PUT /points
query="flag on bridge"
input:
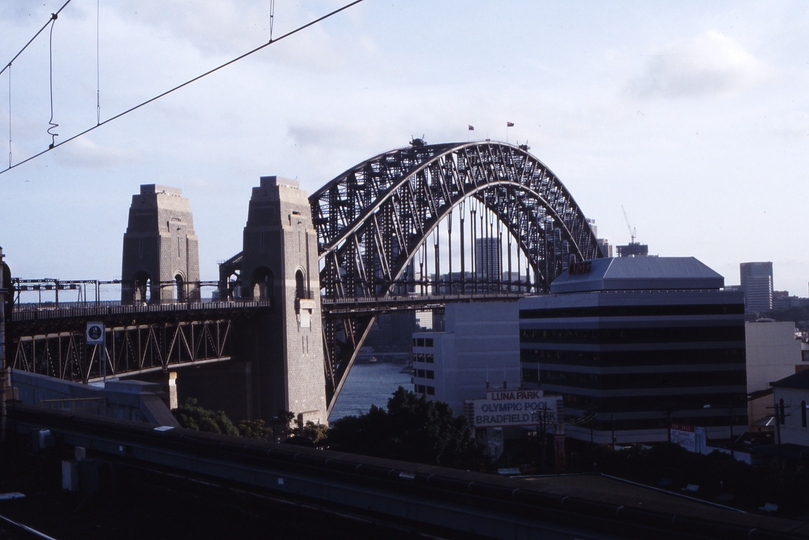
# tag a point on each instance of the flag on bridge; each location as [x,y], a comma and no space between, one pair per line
[471,127]
[509,124]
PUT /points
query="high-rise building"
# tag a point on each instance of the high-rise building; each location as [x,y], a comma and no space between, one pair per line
[488,260]
[756,279]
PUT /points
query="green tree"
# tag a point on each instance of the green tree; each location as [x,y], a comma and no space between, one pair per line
[311,435]
[412,429]
[193,416]
[255,429]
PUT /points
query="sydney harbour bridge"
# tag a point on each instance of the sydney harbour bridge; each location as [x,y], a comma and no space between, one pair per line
[412,228]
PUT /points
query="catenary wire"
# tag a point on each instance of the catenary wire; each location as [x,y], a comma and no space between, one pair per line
[52,125]
[44,26]
[186,83]
[98,62]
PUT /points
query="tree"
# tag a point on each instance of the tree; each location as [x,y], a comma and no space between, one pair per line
[412,429]
[311,435]
[255,429]
[193,416]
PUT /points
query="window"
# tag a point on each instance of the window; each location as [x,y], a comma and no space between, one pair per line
[430,390]
[420,342]
[428,358]
[428,342]
[420,373]
[781,415]
[431,375]
[420,388]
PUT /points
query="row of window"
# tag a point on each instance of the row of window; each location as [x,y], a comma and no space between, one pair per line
[781,413]
[429,390]
[425,374]
[633,311]
[671,404]
[663,423]
[671,379]
[423,342]
[424,358]
[635,335]
[634,358]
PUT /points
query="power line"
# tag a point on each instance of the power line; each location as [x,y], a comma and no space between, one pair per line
[186,83]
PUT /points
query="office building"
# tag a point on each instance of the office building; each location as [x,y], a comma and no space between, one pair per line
[756,280]
[488,260]
[635,344]
[479,343]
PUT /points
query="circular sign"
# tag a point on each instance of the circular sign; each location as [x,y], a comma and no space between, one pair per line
[95,333]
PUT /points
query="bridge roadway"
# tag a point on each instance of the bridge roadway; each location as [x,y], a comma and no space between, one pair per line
[397,495]
[49,337]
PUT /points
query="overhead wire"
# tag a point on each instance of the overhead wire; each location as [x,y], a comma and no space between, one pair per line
[44,26]
[9,116]
[182,85]
[98,62]
[51,123]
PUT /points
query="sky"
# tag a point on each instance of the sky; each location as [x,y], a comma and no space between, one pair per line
[692,117]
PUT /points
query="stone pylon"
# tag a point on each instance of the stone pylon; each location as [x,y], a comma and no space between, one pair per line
[161,251]
[280,264]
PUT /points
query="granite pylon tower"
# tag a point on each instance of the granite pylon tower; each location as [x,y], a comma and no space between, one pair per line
[161,251]
[280,264]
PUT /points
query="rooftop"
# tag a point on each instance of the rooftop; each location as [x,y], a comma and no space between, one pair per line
[637,273]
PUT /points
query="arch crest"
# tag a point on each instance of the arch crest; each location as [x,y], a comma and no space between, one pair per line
[372,218]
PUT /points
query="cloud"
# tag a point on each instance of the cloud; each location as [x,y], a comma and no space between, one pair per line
[83,152]
[708,64]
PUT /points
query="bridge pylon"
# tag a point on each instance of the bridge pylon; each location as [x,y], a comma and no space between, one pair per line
[279,263]
[161,250]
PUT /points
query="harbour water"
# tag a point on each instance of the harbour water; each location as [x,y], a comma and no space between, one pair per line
[369,384]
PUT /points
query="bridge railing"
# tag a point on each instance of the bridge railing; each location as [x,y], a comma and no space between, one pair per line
[36,311]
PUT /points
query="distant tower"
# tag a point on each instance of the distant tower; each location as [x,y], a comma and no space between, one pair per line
[160,247]
[280,264]
[488,260]
[756,280]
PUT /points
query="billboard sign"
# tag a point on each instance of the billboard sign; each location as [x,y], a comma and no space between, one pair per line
[506,408]
[692,438]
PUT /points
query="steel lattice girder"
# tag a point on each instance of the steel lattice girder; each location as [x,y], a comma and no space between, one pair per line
[130,349]
[373,218]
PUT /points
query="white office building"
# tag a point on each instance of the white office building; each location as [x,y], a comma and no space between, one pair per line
[480,343]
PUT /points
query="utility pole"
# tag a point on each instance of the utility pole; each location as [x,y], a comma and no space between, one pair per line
[4,275]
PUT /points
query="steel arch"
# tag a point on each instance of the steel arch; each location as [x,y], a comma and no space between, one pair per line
[373,218]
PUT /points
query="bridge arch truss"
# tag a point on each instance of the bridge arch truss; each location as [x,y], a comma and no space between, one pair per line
[373,219]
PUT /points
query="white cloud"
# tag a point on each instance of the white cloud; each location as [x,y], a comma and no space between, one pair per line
[711,63]
[84,152]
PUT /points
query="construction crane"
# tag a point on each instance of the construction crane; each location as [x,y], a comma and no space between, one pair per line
[632,230]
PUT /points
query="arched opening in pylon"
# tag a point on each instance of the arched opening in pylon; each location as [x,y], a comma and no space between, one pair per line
[262,284]
[142,287]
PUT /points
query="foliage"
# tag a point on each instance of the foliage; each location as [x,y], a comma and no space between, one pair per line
[255,429]
[412,429]
[311,435]
[193,416]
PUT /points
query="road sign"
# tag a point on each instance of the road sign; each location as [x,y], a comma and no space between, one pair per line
[95,333]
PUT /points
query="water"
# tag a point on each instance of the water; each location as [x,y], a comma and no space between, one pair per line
[369,384]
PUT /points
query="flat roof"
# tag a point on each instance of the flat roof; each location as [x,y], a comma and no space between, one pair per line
[637,273]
